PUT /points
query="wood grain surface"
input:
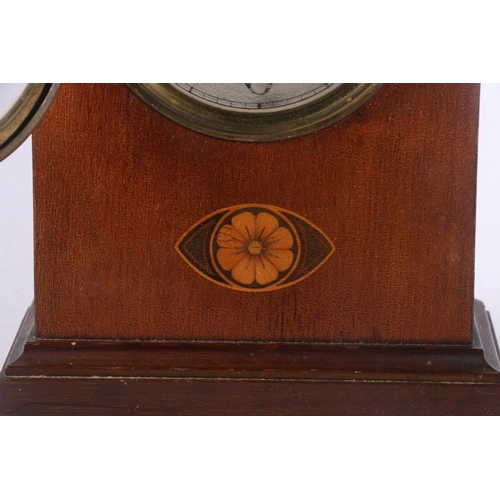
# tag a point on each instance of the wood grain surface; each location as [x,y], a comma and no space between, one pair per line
[81,396]
[88,377]
[392,186]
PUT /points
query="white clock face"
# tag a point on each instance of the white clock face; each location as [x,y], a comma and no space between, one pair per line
[257,97]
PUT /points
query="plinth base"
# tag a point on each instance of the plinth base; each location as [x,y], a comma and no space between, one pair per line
[63,377]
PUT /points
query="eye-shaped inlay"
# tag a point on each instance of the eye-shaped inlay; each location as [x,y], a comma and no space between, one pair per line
[254,248]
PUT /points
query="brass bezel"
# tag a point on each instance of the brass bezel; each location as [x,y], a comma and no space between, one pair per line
[18,123]
[247,126]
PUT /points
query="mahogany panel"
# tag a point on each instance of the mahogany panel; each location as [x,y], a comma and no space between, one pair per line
[80,396]
[392,186]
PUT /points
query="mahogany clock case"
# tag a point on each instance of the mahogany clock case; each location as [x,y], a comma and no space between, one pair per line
[392,186]
[127,321]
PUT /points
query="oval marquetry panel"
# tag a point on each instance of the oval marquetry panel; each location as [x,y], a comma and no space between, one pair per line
[254,248]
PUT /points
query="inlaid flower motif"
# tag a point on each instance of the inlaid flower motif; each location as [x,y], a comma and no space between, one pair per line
[254,248]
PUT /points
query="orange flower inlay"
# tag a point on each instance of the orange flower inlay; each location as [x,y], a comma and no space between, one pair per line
[254,248]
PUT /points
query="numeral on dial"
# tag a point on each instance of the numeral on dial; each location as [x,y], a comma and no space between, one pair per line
[259,88]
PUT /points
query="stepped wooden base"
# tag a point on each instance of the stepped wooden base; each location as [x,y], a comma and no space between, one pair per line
[55,377]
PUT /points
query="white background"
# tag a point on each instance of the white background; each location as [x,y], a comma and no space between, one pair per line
[16,246]
[223,40]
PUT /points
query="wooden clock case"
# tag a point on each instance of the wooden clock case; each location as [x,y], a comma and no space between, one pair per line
[122,325]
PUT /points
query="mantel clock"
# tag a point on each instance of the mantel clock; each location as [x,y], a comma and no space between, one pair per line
[254,248]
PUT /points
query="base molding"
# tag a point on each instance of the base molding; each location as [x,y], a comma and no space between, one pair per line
[64,377]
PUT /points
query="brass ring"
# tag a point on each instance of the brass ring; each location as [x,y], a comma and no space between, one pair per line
[238,125]
[20,120]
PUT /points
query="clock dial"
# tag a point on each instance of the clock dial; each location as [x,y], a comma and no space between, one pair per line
[255,112]
[257,97]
